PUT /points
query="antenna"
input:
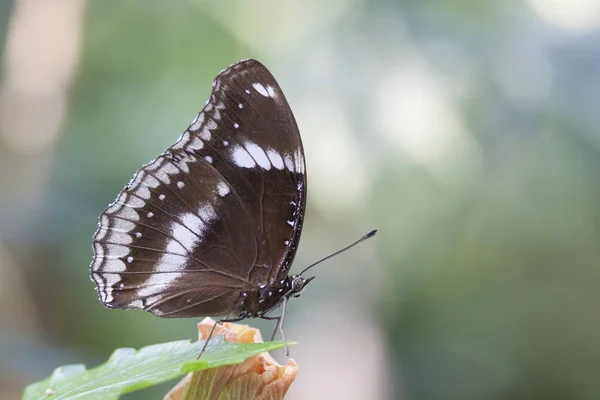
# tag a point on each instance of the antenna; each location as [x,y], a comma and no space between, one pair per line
[367,236]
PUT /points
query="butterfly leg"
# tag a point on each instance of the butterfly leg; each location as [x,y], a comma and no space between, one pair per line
[279,325]
[213,329]
[269,318]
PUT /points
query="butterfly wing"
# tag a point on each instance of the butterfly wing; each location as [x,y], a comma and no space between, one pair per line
[264,157]
[216,214]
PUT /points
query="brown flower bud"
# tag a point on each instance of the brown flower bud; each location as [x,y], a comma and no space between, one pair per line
[259,377]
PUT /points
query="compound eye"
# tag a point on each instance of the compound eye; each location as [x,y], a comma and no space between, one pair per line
[297,284]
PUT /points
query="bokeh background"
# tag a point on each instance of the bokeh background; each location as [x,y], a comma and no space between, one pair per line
[466,131]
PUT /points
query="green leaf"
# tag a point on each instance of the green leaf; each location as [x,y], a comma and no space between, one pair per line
[128,370]
[231,355]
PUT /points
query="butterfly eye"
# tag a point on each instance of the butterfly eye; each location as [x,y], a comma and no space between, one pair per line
[297,284]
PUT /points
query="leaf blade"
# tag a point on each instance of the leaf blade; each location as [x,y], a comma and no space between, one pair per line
[128,370]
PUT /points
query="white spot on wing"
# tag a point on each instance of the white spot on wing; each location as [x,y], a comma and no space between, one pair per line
[124,211]
[161,197]
[271,91]
[106,283]
[180,184]
[196,144]
[164,171]
[275,158]
[117,232]
[182,141]
[142,191]
[298,161]
[189,237]
[136,304]
[209,159]
[197,122]
[236,125]
[222,189]
[241,158]
[207,213]
[184,237]
[240,106]
[134,202]
[259,155]
[205,133]
[289,164]
[260,89]
[102,228]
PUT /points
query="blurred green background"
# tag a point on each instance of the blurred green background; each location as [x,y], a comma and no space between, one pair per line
[465,131]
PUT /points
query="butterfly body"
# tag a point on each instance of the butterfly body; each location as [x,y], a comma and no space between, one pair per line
[260,302]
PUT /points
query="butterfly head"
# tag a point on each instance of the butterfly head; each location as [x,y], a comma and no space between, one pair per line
[298,283]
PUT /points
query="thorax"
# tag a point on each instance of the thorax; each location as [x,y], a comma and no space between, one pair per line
[261,300]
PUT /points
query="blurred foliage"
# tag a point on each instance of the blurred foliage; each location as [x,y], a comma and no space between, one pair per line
[497,297]
[486,271]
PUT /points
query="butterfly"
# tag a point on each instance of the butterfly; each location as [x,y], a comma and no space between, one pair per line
[212,225]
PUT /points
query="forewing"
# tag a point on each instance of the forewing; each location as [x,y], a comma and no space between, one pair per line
[260,151]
